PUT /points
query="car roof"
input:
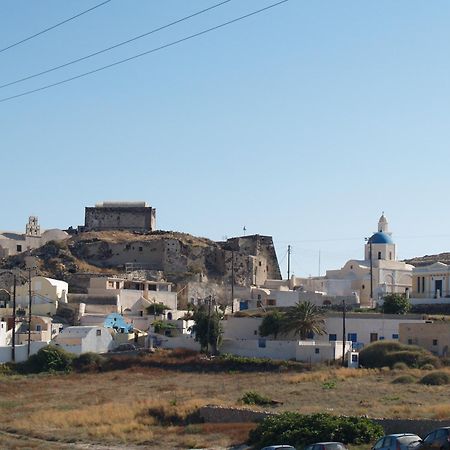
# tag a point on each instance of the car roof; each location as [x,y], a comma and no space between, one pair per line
[324,443]
[401,434]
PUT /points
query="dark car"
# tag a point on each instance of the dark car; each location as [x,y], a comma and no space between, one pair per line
[399,441]
[326,446]
[438,439]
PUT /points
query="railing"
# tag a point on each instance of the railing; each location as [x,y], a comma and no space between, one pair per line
[430,294]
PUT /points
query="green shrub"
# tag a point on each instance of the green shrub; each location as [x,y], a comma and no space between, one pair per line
[88,362]
[404,379]
[47,359]
[396,304]
[298,430]
[427,367]
[436,378]
[388,353]
[400,366]
[253,398]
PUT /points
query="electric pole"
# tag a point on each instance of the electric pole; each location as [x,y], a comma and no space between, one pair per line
[29,312]
[289,262]
[13,344]
[232,281]
[343,333]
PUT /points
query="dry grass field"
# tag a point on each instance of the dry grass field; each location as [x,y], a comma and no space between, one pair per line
[111,409]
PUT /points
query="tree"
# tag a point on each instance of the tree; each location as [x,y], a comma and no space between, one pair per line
[272,324]
[396,304]
[303,319]
[207,327]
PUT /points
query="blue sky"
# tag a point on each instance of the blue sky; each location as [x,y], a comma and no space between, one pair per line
[304,122]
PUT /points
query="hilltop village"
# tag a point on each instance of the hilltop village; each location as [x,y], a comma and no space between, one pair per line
[117,283]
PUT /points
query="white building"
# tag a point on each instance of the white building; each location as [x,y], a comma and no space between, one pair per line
[378,274]
[431,284]
[361,329]
[13,243]
[85,339]
[130,291]
[46,294]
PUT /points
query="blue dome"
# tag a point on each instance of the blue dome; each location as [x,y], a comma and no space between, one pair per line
[381,238]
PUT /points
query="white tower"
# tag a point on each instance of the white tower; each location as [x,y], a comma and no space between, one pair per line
[383,224]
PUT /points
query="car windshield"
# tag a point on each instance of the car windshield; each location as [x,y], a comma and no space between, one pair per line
[334,446]
[406,440]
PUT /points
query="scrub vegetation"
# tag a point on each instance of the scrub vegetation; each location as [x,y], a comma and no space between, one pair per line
[154,401]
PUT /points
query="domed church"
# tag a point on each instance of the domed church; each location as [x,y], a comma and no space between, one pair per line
[378,274]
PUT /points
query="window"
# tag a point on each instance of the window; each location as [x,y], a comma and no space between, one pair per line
[352,337]
[140,249]
[373,337]
[19,248]
[259,296]
[99,332]
[435,342]
[271,302]
[255,332]
[379,444]
[332,337]
[317,351]
[390,255]
[363,287]
[38,328]
[430,438]
[261,343]
[354,358]
[379,255]
[395,336]
[410,341]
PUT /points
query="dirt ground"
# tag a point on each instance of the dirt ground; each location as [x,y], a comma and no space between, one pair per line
[111,410]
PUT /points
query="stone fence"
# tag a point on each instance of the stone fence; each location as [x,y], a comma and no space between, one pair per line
[219,414]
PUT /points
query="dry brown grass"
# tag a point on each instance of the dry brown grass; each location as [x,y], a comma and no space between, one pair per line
[114,406]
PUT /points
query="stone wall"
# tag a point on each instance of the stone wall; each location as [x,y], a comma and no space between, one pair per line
[120,218]
[218,414]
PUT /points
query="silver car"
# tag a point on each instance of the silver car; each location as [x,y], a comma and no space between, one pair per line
[399,441]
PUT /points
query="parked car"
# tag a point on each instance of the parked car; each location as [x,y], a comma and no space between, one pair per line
[276,447]
[438,439]
[326,446]
[399,441]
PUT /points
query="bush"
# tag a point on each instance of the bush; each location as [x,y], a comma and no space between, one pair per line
[396,304]
[400,366]
[436,379]
[388,353]
[299,430]
[253,398]
[427,367]
[47,359]
[404,379]
[88,362]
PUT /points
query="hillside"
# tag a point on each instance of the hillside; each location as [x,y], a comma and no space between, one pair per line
[180,256]
[429,259]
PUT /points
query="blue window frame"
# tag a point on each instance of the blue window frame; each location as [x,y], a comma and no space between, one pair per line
[332,337]
[395,336]
[352,337]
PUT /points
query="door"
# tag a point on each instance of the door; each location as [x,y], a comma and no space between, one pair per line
[438,287]
[373,337]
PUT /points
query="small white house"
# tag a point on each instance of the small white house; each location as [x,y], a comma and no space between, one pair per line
[85,339]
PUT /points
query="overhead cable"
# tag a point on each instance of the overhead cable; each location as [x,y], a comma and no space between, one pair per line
[114,46]
[170,44]
[54,26]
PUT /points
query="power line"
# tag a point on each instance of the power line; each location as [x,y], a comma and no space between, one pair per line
[67,80]
[54,26]
[52,69]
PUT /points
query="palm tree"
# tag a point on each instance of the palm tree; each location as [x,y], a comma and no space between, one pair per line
[303,319]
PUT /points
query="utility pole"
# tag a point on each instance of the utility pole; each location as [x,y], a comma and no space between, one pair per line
[232,281]
[29,312]
[371,273]
[344,340]
[208,325]
[13,344]
[289,262]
